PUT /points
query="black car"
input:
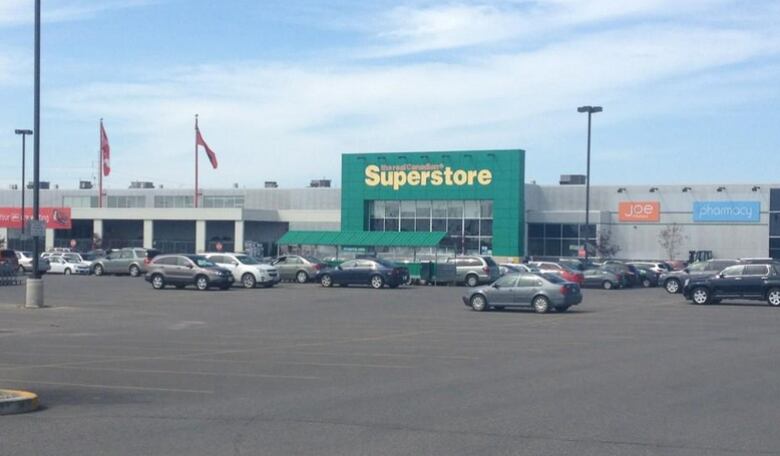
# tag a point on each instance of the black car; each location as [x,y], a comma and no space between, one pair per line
[374,272]
[647,276]
[742,281]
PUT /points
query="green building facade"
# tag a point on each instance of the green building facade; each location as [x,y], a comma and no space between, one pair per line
[476,197]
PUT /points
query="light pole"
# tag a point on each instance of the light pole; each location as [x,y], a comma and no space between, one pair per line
[590,110]
[24,134]
[34,298]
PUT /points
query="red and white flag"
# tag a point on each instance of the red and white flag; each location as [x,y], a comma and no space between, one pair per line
[200,142]
[105,150]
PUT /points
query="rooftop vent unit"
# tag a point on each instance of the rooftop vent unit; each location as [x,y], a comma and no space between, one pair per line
[572,179]
[320,183]
[42,185]
[271,184]
[85,185]
[141,184]
[13,187]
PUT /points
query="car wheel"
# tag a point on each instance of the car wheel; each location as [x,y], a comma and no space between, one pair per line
[202,283]
[607,285]
[377,282]
[562,309]
[248,280]
[478,303]
[134,271]
[98,270]
[326,281]
[302,277]
[700,295]
[672,286]
[646,283]
[541,304]
[158,282]
[67,271]
[773,297]
[472,280]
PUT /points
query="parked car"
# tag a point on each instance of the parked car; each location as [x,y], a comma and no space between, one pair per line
[647,277]
[246,269]
[655,266]
[673,281]
[565,272]
[741,281]
[601,278]
[474,270]
[183,270]
[543,292]
[298,268]
[8,259]
[630,274]
[374,272]
[131,260]
[61,264]
[514,268]
[25,259]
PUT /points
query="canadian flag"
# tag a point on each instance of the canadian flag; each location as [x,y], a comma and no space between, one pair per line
[105,151]
[200,142]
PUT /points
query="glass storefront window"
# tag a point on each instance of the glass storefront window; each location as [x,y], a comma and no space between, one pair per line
[378,209]
[555,239]
[392,209]
[486,209]
[455,210]
[471,209]
[486,227]
[424,209]
[440,209]
[471,227]
[408,209]
[407,224]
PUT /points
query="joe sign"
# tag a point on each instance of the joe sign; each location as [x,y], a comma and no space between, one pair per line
[639,211]
[727,211]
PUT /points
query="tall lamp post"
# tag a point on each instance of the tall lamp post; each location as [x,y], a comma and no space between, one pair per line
[590,110]
[24,134]
[34,298]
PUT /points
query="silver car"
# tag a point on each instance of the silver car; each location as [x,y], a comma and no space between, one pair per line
[298,268]
[474,270]
[132,260]
[543,292]
[673,281]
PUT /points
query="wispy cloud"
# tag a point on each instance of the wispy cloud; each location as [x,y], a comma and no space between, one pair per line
[15,12]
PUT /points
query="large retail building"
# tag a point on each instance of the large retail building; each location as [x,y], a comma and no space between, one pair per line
[477,197]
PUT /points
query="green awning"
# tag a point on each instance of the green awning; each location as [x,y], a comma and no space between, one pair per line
[363,238]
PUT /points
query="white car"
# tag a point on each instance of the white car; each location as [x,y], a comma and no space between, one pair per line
[246,270]
[62,265]
[26,262]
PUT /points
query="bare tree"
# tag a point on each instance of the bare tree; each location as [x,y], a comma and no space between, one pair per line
[605,248]
[671,238]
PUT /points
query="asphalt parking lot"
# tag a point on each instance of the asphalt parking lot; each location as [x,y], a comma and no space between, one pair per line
[298,369]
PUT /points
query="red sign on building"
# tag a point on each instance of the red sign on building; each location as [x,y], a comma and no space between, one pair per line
[57,218]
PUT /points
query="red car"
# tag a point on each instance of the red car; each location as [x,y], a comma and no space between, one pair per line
[565,272]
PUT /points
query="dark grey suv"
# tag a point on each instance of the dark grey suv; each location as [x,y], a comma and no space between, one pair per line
[183,270]
[673,281]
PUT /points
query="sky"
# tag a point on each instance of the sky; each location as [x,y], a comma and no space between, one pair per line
[690,89]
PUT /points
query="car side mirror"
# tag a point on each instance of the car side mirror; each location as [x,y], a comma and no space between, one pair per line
[496,286]
[686,270]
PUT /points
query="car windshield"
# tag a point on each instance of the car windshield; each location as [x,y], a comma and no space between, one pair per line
[701,266]
[245,259]
[202,261]
[385,263]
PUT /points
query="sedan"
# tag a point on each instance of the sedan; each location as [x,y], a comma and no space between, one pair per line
[601,278]
[374,272]
[62,265]
[543,292]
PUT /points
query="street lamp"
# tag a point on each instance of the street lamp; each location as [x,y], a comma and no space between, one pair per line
[24,134]
[590,110]
[34,298]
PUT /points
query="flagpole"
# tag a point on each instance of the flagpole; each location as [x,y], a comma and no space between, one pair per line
[100,165]
[196,160]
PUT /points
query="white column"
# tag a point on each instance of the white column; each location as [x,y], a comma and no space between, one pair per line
[200,236]
[4,236]
[148,234]
[49,244]
[238,236]
[97,228]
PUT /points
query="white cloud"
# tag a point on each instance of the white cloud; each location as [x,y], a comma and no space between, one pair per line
[292,121]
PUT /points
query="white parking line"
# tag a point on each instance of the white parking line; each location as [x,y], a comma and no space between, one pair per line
[99,386]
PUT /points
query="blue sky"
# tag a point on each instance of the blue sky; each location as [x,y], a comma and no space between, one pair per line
[690,89]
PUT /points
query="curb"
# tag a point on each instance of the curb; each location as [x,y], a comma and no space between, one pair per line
[16,401]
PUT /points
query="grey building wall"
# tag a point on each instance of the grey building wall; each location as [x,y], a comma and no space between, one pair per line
[565,204]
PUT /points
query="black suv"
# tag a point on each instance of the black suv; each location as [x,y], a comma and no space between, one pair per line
[742,281]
